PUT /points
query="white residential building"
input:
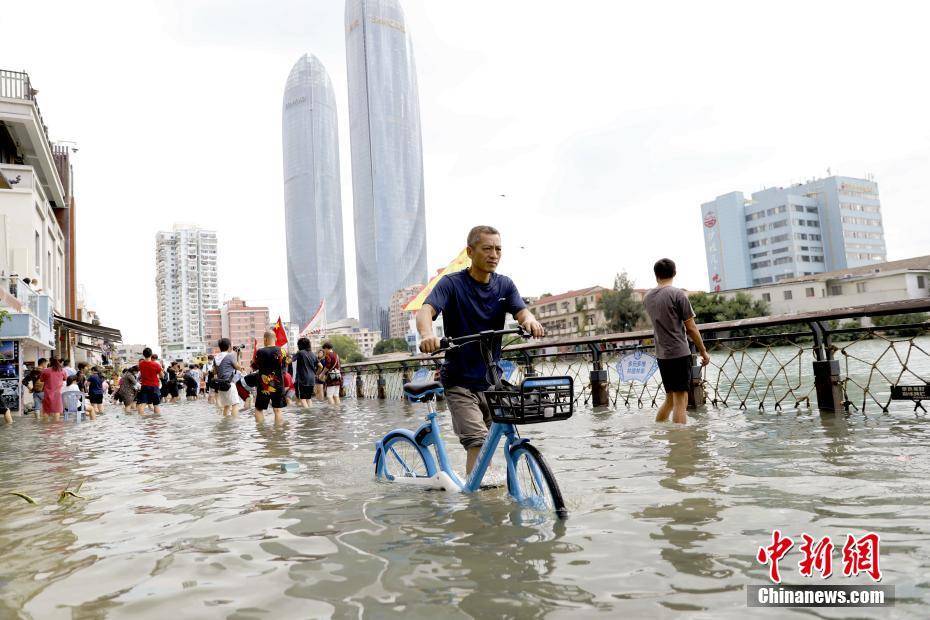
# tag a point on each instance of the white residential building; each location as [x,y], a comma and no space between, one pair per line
[186,282]
[789,232]
[34,206]
[870,284]
[365,338]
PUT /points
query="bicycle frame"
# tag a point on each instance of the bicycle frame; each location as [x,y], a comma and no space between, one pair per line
[429,434]
[442,475]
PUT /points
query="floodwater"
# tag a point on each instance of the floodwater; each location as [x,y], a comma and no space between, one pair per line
[189,515]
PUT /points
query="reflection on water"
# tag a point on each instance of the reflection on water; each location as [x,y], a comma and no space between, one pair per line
[189,514]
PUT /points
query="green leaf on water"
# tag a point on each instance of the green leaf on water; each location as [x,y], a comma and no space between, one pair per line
[22,496]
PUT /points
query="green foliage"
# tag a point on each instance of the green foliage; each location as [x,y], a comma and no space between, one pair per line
[621,310]
[391,345]
[4,315]
[900,319]
[713,307]
[345,347]
[355,357]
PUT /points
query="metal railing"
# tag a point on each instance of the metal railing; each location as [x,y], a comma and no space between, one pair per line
[770,363]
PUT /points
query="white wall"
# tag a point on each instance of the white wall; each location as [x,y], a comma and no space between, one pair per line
[27,213]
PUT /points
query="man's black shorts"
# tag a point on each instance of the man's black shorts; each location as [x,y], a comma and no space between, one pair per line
[276,399]
[148,395]
[304,392]
[676,373]
[96,399]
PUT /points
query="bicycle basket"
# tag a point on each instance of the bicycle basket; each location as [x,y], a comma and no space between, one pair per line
[538,399]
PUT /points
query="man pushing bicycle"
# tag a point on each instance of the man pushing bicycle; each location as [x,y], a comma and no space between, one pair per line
[471,301]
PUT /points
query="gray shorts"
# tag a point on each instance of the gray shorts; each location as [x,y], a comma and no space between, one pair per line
[471,417]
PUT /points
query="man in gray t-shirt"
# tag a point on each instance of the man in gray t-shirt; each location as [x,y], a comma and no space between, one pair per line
[673,322]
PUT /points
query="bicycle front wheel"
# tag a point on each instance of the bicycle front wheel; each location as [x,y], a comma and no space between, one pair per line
[400,458]
[532,483]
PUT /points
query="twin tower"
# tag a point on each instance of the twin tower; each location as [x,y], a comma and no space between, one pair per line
[387,171]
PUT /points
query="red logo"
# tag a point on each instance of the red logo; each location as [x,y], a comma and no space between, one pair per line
[710,220]
[860,555]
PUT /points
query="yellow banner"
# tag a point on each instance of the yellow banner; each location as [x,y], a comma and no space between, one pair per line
[459,263]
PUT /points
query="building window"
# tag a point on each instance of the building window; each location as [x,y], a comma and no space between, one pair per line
[836,290]
[860,287]
[787,295]
[766,297]
[38,253]
[920,282]
[809,291]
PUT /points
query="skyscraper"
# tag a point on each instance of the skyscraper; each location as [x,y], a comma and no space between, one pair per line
[312,195]
[787,232]
[186,285]
[387,158]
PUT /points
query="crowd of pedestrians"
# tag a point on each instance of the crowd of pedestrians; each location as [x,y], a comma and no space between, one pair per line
[51,382]
[270,379]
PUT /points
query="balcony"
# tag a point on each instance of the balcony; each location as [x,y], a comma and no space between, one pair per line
[19,112]
[30,313]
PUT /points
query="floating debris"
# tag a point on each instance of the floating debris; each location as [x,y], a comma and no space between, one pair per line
[22,496]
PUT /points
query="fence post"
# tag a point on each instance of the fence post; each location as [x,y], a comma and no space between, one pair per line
[528,370]
[696,396]
[381,385]
[404,373]
[598,378]
[359,385]
[827,380]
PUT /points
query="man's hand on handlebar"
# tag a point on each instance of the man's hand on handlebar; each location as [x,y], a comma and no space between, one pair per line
[533,328]
[430,344]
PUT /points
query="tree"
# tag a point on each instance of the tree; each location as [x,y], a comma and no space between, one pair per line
[621,310]
[900,319]
[346,348]
[391,345]
[713,307]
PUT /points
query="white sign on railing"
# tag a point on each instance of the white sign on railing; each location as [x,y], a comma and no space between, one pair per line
[637,366]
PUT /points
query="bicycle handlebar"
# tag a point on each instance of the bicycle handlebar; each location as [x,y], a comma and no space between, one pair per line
[447,344]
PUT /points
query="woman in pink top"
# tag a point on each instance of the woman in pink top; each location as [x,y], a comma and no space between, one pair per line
[54,378]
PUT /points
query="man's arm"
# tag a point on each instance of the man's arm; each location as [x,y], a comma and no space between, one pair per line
[429,343]
[695,335]
[529,323]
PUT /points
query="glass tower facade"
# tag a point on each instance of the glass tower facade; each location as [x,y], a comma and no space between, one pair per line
[387,158]
[312,195]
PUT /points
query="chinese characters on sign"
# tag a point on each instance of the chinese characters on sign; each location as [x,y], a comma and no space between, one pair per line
[859,556]
[637,366]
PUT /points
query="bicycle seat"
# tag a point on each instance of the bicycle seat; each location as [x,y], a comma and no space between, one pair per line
[422,392]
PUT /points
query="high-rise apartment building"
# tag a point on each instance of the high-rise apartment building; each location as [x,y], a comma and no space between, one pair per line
[312,194]
[787,232]
[187,287]
[399,320]
[387,158]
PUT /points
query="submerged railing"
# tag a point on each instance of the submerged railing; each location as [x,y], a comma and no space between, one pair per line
[769,363]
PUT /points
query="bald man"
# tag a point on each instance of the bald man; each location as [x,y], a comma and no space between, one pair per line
[268,361]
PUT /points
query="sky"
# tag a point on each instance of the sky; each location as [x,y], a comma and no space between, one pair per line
[588,132]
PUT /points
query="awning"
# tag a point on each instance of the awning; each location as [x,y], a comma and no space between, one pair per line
[88,347]
[89,329]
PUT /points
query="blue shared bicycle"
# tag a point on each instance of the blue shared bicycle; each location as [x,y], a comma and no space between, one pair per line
[419,457]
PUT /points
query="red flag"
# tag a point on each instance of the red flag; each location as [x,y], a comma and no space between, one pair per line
[279,334]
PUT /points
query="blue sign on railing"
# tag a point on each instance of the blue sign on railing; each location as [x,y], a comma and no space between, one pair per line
[508,367]
[422,376]
[637,366]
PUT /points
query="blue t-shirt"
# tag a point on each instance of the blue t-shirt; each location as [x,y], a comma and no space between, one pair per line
[95,385]
[468,307]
